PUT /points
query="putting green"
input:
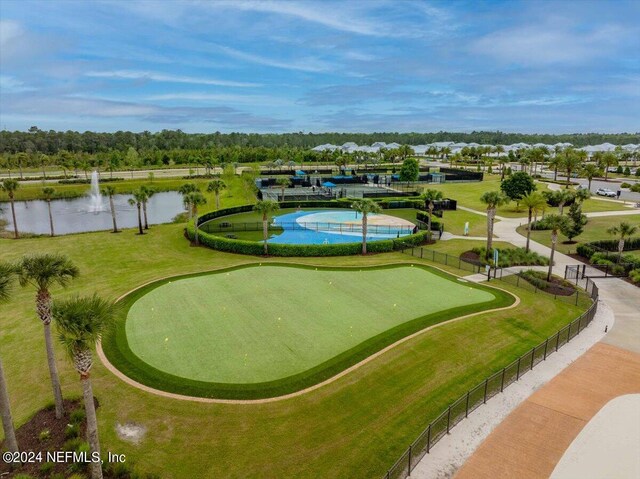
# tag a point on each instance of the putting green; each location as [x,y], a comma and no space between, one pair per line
[274,324]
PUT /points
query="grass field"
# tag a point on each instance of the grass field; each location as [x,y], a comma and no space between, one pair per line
[214,328]
[354,427]
[595,229]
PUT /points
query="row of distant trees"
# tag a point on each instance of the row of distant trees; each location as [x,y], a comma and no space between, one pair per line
[51,142]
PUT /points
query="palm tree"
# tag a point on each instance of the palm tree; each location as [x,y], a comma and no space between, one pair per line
[42,271]
[48,193]
[429,197]
[138,197]
[10,186]
[555,163]
[184,190]
[534,202]
[80,323]
[563,197]
[590,171]
[6,277]
[555,224]
[147,193]
[493,199]
[572,161]
[266,207]
[282,183]
[216,186]
[365,206]
[503,160]
[606,160]
[194,199]
[110,191]
[623,230]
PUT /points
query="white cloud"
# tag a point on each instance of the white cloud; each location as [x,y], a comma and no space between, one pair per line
[312,65]
[162,77]
[549,43]
[9,84]
[9,30]
[222,98]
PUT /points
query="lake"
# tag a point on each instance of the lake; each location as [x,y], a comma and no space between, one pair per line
[74,216]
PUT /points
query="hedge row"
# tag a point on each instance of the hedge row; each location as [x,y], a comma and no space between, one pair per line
[343,249]
[610,245]
[83,181]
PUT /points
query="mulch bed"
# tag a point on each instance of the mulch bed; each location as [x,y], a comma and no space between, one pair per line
[559,287]
[470,257]
[28,437]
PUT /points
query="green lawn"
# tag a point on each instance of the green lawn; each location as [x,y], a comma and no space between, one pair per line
[595,229]
[355,427]
[214,328]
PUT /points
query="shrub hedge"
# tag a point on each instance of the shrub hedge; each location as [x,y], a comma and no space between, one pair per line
[231,245]
[513,257]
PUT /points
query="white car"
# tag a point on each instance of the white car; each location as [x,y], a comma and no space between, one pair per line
[605,192]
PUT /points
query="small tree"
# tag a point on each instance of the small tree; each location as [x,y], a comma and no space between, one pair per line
[575,226]
[138,198]
[110,191]
[80,323]
[184,190]
[410,170]
[365,206]
[195,199]
[10,186]
[590,171]
[146,193]
[48,193]
[518,185]
[624,230]
[266,208]
[216,186]
[493,199]
[534,202]
[555,224]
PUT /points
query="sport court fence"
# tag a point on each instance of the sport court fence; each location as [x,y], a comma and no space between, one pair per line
[314,226]
[490,387]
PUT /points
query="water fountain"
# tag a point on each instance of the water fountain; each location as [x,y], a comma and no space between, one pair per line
[95,205]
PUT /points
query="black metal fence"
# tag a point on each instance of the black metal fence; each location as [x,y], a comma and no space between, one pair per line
[480,394]
[507,275]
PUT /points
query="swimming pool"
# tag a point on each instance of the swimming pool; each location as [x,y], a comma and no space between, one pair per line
[336,226]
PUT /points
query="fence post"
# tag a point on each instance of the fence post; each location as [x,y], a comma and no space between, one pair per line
[409,459]
[557,340]
[429,438]
[466,411]
[502,381]
[486,386]
[546,343]
[577,296]
[533,355]
[449,420]
[518,374]
[517,280]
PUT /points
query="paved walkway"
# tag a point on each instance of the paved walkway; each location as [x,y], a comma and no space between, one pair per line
[530,442]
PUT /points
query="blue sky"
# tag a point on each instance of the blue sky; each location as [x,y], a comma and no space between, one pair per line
[365,66]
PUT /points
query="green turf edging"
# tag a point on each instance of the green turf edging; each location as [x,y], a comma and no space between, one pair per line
[116,348]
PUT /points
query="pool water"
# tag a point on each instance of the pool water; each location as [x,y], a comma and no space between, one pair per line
[336,226]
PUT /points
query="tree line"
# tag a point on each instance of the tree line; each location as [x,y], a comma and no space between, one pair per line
[51,142]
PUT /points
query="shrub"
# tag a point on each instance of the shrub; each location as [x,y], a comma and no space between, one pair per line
[82,181]
[625,185]
[539,280]
[513,257]
[541,224]
[71,431]
[634,276]
[585,250]
[44,435]
[636,188]
[342,249]
[619,169]
[47,468]
[638,172]
[627,171]
[77,416]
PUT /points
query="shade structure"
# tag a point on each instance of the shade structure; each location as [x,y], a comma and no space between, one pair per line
[328,184]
